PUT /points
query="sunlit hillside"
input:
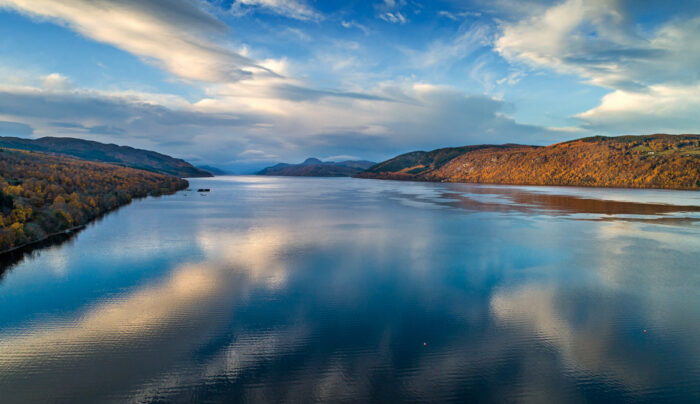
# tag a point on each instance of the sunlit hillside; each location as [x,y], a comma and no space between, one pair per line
[657,161]
[42,194]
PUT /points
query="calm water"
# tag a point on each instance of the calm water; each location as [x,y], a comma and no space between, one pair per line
[296,289]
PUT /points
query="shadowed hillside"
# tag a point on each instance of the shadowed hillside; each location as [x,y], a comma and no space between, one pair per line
[313,167]
[107,153]
[43,194]
[655,161]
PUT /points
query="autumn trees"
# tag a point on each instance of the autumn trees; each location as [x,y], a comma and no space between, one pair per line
[656,161]
[41,194]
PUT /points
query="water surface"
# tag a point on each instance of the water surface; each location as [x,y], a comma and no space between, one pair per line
[302,289]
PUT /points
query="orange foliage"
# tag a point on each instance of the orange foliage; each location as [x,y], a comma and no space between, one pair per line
[658,161]
[41,194]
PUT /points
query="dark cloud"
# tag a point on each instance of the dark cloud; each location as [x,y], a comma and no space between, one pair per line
[15,129]
[61,106]
[53,106]
[174,143]
[371,147]
[69,125]
[106,130]
[98,129]
[597,54]
[436,117]
[451,118]
[298,93]
[196,136]
[186,13]
[296,9]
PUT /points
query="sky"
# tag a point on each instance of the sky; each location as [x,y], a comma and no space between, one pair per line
[242,84]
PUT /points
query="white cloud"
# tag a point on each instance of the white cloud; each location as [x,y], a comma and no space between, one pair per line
[55,82]
[395,17]
[288,8]
[342,157]
[246,114]
[257,155]
[457,16]
[461,46]
[175,35]
[661,109]
[303,36]
[355,24]
[512,78]
[567,129]
[273,117]
[654,74]
[390,11]
[320,124]
[136,119]
[597,40]
[547,39]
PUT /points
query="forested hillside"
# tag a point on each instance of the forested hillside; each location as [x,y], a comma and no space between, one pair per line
[107,153]
[42,194]
[655,161]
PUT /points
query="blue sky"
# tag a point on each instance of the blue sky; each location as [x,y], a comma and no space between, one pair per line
[241,84]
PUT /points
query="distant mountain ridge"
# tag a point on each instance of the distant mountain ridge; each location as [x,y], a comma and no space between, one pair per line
[651,161]
[313,167]
[212,170]
[107,153]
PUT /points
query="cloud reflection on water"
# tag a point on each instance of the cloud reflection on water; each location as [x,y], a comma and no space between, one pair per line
[325,296]
[137,335]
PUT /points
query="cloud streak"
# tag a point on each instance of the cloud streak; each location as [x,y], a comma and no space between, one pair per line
[176,35]
[289,8]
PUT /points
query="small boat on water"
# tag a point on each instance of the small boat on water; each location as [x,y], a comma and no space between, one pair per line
[204,190]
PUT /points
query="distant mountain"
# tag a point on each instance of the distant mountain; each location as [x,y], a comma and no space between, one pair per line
[654,161]
[212,170]
[311,161]
[107,153]
[313,167]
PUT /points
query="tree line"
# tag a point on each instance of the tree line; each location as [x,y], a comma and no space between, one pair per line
[42,194]
[656,161]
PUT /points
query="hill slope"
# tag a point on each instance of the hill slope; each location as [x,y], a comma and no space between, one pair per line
[41,194]
[655,161]
[107,153]
[313,167]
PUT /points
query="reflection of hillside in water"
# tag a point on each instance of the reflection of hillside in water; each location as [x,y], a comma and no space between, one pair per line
[516,199]
[12,258]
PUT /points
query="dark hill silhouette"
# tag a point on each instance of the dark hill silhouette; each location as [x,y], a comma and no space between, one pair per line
[107,153]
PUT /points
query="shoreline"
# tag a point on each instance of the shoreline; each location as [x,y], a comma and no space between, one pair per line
[65,232]
[467,182]
[16,253]
[447,181]
[10,258]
